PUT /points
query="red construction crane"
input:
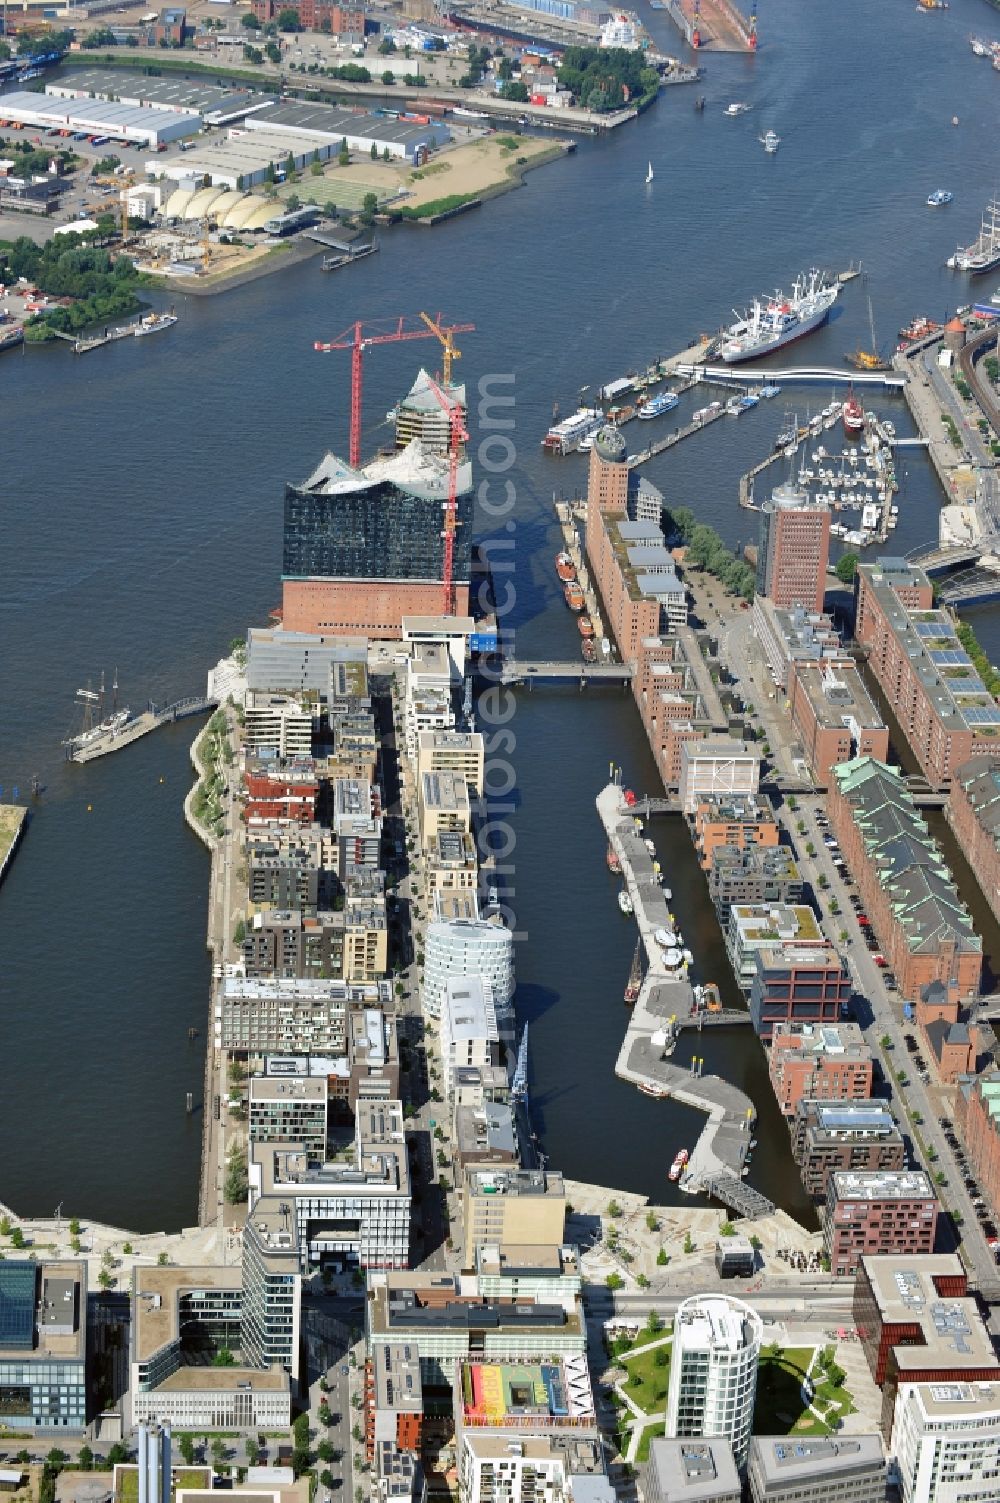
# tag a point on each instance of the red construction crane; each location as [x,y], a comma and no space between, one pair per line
[459,436]
[360,336]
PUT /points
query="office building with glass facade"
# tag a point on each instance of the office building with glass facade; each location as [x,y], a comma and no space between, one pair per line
[346,530]
[43,1345]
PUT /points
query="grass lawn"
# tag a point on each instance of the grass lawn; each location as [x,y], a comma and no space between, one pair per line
[649,1434]
[647,1383]
[184,1476]
[780,1405]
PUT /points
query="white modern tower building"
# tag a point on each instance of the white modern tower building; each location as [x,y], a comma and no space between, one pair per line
[470,947]
[713,1370]
[946,1442]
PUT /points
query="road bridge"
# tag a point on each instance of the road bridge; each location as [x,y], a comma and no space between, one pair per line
[519,671]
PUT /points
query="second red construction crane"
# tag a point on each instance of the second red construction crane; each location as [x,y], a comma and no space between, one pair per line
[360,336]
[459,436]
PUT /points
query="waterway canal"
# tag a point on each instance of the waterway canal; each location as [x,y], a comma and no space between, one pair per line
[141,526]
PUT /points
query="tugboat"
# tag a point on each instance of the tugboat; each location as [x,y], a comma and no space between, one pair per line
[565,567]
[678,1165]
[625,903]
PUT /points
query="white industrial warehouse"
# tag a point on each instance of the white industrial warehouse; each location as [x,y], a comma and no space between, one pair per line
[243,161]
[180,96]
[120,122]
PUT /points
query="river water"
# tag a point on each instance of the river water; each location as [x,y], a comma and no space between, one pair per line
[142,526]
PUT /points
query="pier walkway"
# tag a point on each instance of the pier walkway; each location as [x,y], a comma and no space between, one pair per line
[717,1161]
[149,720]
[810,374]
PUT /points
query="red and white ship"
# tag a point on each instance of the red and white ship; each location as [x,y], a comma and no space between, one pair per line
[853,414]
[678,1166]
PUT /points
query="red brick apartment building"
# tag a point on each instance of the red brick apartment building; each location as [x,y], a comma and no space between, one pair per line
[943,708]
[742,823]
[875,1212]
[281,793]
[794,549]
[917,1324]
[831,1062]
[921,923]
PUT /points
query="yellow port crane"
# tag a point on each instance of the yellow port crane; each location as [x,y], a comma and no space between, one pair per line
[447,338]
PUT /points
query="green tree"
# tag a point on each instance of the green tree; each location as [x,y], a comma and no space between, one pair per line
[517,93]
[162,1259]
[614,1281]
[252,1449]
[17,1237]
[251,23]
[293,202]
[369,205]
[661,1258]
[105,1279]
[218,1452]
[688,1243]
[326,1479]
[324,1450]
[272,52]
[236,1184]
[288,19]
[74,1228]
[325,1413]
[186,1445]
[118,1454]
[56,1459]
[223,1358]
[85,1458]
[614,1209]
[847,567]
[727,1229]
[654,1323]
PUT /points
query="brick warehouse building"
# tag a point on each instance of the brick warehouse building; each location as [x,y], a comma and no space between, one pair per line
[921,923]
[347,21]
[944,709]
[973,811]
[977,1117]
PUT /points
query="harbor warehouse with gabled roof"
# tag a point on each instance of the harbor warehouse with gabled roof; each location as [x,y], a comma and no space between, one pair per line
[921,923]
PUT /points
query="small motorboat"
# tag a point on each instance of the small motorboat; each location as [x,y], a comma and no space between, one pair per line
[770,141]
[625,903]
[938,197]
[736,108]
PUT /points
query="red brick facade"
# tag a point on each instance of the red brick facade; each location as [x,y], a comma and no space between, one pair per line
[971,810]
[277,798]
[369,608]
[713,828]
[859,1225]
[315,15]
[799,1072]
[939,959]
